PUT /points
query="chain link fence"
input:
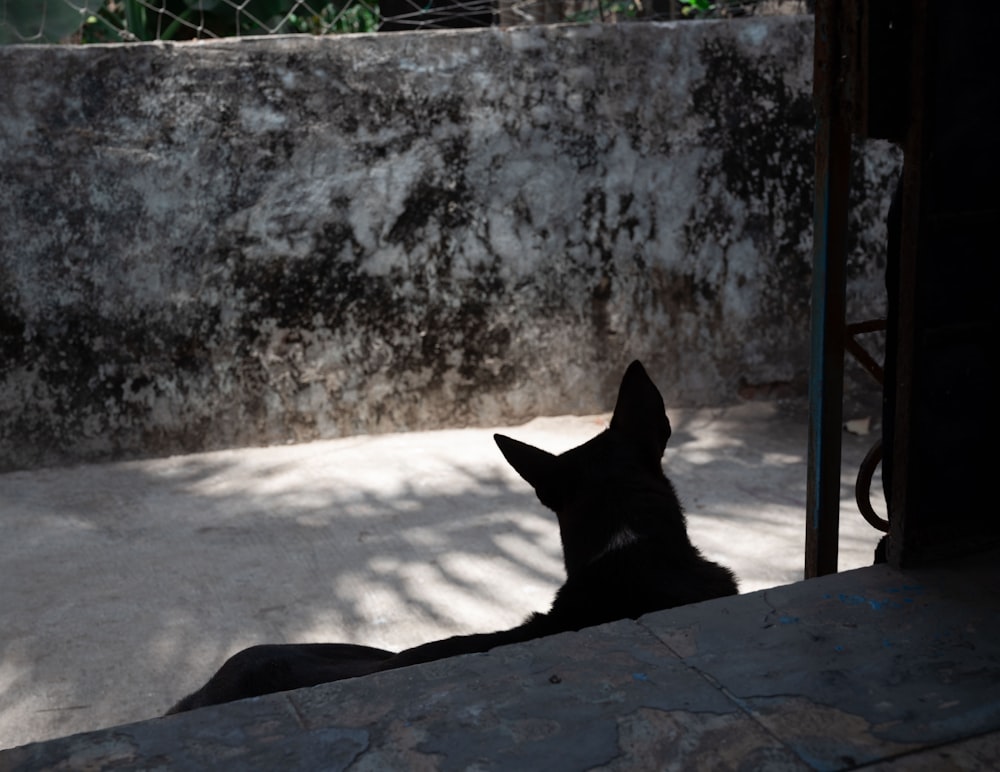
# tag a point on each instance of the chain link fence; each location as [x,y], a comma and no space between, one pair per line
[114,21]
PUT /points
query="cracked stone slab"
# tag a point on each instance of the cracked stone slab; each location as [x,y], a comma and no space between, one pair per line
[612,697]
[978,754]
[858,666]
[254,734]
[609,696]
[799,677]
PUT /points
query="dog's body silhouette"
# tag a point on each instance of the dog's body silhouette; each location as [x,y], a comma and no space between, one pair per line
[625,548]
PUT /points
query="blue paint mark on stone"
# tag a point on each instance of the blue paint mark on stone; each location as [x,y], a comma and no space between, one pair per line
[914,589]
[838,647]
[640,676]
[874,603]
[789,620]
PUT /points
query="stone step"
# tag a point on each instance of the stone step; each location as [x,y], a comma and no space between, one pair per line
[864,667]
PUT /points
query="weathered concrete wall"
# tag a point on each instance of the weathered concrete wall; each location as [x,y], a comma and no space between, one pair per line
[256,241]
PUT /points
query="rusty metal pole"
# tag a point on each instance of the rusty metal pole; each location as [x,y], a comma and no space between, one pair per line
[826,371]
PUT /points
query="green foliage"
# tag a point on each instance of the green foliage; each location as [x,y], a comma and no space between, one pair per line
[615,10]
[31,21]
[699,9]
[112,21]
[358,16]
[698,6]
[624,10]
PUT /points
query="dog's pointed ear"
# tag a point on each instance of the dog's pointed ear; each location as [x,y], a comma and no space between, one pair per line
[536,466]
[639,412]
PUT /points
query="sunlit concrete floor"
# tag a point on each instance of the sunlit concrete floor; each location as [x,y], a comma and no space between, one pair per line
[125,585]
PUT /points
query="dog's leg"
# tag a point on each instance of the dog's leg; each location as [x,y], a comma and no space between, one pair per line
[278,668]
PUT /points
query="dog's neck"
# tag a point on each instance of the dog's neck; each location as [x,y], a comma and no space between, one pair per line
[623,537]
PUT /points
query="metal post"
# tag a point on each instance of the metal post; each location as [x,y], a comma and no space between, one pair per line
[826,371]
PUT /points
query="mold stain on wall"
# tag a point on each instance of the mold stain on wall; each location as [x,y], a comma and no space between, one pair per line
[262,241]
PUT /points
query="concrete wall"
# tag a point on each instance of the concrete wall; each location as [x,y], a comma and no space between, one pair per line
[256,241]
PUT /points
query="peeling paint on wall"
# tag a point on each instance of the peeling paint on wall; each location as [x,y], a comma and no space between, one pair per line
[257,241]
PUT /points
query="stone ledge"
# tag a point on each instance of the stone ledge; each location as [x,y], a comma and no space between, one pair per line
[854,669]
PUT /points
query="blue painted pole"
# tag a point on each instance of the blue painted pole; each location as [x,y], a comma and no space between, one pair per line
[826,366]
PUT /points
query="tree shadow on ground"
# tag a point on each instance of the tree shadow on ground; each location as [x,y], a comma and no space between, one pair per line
[132,582]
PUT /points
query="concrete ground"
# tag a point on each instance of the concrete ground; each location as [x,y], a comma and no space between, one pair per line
[874,669]
[125,585]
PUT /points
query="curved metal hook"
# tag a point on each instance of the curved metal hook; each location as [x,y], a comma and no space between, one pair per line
[863,488]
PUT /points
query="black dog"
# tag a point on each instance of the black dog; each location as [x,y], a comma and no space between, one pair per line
[625,546]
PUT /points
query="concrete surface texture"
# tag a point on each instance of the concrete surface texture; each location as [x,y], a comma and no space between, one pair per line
[210,245]
[126,585]
[870,669]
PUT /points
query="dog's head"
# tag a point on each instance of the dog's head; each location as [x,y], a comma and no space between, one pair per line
[609,492]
